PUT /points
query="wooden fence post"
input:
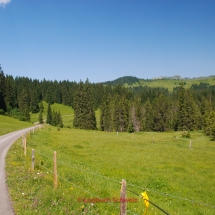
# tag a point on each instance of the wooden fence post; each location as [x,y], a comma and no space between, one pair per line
[23,140]
[190,144]
[55,169]
[25,146]
[32,160]
[123,202]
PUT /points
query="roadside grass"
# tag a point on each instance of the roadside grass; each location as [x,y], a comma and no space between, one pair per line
[9,124]
[92,163]
[170,84]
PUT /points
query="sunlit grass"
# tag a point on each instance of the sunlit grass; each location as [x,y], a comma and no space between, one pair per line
[170,84]
[97,161]
[67,114]
[9,124]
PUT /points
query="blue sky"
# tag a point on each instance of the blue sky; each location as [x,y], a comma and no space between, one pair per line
[106,39]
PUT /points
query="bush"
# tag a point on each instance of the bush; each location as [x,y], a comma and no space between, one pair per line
[186,134]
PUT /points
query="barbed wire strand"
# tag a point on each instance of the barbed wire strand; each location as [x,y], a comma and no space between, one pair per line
[82,170]
[87,191]
[170,195]
[131,184]
[92,193]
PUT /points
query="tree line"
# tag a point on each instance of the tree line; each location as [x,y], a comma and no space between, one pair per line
[133,109]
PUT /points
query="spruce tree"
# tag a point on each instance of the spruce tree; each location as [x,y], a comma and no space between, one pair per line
[41,106]
[34,102]
[2,88]
[49,115]
[187,115]
[60,121]
[148,116]
[160,113]
[84,115]
[9,93]
[24,103]
[181,114]
[54,118]
[106,115]
[50,95]
[121,113]
[210,125]
[40,117]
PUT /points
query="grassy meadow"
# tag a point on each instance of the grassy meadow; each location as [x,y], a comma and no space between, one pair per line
[170,84]
[9,124]
[91,164]
[67,113]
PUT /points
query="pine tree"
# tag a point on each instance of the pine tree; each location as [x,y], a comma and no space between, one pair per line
[9,93]
[181,114]
[40,117]
[187,116]
[2,88]
[106,115]
[210,125]
[49,115]
[65,94]
[148,116]
[24,103]
[160,113]
[60,121]
[54,118]
[84,115]
[41,106]
[121,113]
[34,102]
[50,95]
[191,112]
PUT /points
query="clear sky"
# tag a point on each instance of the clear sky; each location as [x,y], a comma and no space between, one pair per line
[106,39]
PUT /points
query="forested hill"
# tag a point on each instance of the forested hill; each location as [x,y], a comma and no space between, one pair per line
[146,107]
[123,80]
[166,82]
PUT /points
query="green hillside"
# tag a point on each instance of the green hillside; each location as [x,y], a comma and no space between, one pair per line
[9,124]
[130,81]
[67,114]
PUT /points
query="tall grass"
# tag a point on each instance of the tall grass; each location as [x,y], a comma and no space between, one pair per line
[92,163]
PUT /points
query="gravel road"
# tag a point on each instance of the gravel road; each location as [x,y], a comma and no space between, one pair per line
[5,142]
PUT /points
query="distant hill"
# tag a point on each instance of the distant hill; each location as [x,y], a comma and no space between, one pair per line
[162,81]
[123,80]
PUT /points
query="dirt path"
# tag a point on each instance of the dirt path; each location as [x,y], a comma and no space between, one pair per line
[5,142]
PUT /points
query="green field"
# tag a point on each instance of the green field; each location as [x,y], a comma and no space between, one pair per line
[67,113]
[8,124]
[92,163]
[170,84]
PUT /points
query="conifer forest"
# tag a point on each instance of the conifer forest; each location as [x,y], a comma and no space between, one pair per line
[122,109]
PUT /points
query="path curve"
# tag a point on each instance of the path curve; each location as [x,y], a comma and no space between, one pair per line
[5,142]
